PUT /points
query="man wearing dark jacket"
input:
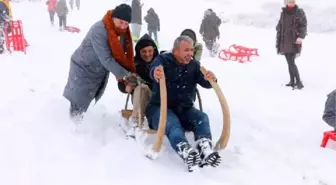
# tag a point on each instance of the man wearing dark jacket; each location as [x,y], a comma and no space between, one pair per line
[136,22]
[145,52]
[182,74]
[153,23]
[209,29]
[4,18]
[329,114]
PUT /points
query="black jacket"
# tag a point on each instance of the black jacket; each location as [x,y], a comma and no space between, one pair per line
[142,67]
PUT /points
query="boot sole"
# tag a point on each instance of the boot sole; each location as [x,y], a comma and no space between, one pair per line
[213,160]
[193,160]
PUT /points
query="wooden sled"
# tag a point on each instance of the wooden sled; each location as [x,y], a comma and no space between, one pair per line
[225,134]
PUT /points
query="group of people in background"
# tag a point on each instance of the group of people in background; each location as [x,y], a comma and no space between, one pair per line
[209,28]
[61,9]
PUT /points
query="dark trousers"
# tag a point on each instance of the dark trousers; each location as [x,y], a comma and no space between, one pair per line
[209,43]
[180,120]
[51,16]
[76,111]
[292,69]
[62,21]
[151,32]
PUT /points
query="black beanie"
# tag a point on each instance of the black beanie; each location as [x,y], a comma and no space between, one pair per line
[190,33]
[123,12]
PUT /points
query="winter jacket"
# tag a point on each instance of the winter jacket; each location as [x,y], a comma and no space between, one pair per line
[198,47]
[209,28]
[136,12]
[142,67]
[329,115]
[5,12]
[152,20]
[90,66]
[61,8]
[181,81]
[292,25]
[51,5]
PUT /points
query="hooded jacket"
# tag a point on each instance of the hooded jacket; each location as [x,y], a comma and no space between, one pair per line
[142,67]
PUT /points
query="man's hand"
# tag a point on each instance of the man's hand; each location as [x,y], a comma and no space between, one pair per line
[298,41]
[158,73]
[210,76]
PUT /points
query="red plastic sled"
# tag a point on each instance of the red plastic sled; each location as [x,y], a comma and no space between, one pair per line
[15,38]
[72,29]
[329,135]
[238,53]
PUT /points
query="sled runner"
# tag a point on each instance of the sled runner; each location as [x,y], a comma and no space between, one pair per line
[160,133]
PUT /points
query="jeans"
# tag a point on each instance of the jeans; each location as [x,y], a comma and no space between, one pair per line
[2,39]
[179,120]
[51,16]
[151,32]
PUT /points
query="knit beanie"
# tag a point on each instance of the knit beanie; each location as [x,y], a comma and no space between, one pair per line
[289,1]
[123,12]
[190,33]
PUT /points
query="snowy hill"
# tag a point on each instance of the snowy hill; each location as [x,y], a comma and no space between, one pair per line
[276,132]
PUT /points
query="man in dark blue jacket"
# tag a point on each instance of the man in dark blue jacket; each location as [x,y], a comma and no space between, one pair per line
[329,114]
[4,17]
[182,74]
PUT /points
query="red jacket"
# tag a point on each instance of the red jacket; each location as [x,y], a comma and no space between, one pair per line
[51,5]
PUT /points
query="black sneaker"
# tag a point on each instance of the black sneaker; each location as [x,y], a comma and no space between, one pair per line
[190,156]
[208,156]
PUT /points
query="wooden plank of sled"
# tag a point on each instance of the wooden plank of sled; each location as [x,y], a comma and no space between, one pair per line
[163,114]
[225,135]
[126,113]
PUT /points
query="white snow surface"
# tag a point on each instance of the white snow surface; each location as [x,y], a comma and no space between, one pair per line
[276,132]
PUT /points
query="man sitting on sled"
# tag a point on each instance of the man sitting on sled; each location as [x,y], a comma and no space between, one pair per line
[182,74]
[145,52]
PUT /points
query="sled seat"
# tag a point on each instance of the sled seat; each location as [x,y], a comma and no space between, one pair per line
[327,136]
[126,113]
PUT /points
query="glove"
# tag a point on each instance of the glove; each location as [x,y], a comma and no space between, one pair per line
[131,79]
[298,41]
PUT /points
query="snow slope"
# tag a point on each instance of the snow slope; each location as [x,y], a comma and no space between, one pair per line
[275,135]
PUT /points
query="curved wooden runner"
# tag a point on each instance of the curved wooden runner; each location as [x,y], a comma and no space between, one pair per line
[163,115]
[225,135]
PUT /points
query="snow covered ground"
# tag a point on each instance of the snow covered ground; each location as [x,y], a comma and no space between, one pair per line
[276,132]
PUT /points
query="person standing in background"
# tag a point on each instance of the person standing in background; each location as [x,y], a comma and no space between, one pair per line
[136,22]
[290,32]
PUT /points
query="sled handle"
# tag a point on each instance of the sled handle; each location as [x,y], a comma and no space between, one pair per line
[225,135]
[163,115]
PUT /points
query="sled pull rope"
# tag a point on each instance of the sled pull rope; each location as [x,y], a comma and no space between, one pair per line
[225,135]
[163,114]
